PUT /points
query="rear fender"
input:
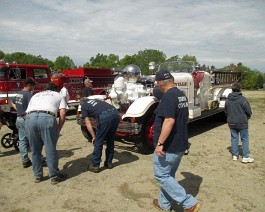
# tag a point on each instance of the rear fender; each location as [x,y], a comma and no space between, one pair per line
[140,106]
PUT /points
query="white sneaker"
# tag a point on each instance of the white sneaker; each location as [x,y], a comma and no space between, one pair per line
[247,160]
[234,158]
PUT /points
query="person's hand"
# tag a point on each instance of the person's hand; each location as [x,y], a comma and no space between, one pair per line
[93,139]
[159,151]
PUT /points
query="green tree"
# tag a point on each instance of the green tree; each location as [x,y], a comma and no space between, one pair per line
[18,57]
[21,57]
[112,61]
[127,60]
[49,63]
[190,58]
[143,58]
[103,61]
[249,77]
[173,58]
[99,61]
[260,81]
[2,55]
[63,62]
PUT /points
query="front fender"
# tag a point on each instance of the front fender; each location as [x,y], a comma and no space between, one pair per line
[140,106]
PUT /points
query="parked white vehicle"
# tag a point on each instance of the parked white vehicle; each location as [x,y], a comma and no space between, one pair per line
[130,94]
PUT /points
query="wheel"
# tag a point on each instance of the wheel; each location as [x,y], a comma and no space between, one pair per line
[86,134]
[7,140]
[144,141]
[16,145]
[214,105]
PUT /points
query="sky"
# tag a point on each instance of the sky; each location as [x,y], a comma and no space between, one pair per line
[215,32]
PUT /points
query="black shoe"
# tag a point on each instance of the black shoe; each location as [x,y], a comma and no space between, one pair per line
[27,164]
[38,179]
[60,178]
[108,166]
[94,169]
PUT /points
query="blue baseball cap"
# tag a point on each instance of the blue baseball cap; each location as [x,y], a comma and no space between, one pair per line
[163,75]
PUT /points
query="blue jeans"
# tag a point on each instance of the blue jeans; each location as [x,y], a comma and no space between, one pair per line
[234,141]
[165,169]
[42,129]
[23,141]
[108,122]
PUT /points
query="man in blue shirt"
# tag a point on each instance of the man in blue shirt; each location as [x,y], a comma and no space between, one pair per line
[20,103]
[171,141]
[107,123]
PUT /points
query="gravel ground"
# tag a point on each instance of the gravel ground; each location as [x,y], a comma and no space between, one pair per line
[207,172]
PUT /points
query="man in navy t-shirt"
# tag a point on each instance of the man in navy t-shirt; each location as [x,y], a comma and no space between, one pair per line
[107,123]
[171,141]
[20,103]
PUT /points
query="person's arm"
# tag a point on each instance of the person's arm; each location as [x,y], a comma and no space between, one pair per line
[14,105]
[90,92]
[247,109]
[165,131]
[90,129]
[156,92]
[62,116]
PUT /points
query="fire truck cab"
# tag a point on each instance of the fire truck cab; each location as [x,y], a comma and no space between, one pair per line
[12,76]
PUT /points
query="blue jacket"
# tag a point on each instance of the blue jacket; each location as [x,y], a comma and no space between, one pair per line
[238,111]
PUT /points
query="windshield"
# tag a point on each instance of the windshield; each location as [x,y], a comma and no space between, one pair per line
[2,72]
[177,66]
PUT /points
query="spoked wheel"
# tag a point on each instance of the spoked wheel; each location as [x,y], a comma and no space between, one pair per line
[144,141]
[7,140]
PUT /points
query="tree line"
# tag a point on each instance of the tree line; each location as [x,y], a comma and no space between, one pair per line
[251,79]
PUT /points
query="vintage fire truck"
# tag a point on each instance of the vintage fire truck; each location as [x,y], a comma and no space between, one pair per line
[130,94]
[12,76]
[101,77]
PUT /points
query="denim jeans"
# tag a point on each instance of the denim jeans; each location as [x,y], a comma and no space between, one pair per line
[42,129]
[23,141]
[165,169]
[234,141]
[108,122]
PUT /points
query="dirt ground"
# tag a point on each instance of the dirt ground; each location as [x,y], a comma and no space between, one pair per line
[207,172]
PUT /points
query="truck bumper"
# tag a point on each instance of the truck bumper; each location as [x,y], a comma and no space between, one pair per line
[126,128]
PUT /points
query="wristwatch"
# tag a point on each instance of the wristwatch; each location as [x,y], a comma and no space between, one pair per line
[159,144]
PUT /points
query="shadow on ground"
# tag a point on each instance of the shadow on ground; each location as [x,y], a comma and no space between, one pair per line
[191,183]
[76,167]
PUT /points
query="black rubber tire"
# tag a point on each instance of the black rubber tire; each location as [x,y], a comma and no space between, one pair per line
[7,141]
[141,143]
[86,134]
[16,145]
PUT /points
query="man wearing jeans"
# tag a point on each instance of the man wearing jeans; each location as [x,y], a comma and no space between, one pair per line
[20,103]
[107,123]
[238,112]
[42,129]
[171,141]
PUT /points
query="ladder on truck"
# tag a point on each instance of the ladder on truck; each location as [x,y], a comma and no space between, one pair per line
[225,79]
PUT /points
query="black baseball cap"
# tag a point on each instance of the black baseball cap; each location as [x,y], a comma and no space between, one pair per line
[163,75]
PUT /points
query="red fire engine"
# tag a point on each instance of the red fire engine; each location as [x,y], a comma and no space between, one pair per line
[101,77]
[12,76]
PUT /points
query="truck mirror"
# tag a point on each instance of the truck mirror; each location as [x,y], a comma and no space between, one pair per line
[152,65]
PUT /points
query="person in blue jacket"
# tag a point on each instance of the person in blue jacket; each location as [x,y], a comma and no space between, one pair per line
[238,112]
